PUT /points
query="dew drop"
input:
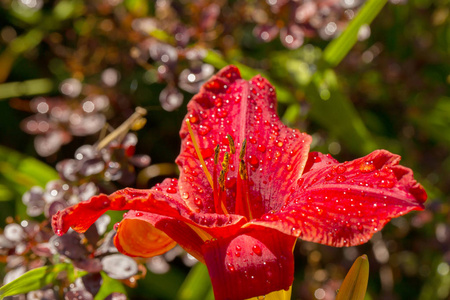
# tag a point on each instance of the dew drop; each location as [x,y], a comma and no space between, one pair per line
[257,250]
[222,113]
[193,118]
[340,178]
[295,231]
[230,267]
[230,182]
[171,190]
[367,167]
[139,214]
[218,102]
[317,159]
[328,177]
[198,202]
[203,129]
[185,195]
[207,152]
[253,161]
[261,148]
[341,169]
[386,183]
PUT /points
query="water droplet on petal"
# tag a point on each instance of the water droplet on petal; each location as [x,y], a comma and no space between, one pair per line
[230,267]
[253,161]
[257,250]
[203,129]
[207,152]
[193,118]
[198,202]
[341,169]
[340,178]
[387,183]
[222,113]
[328,177]
[171,190]
[261,148]
[317,159]
[367,167]
[295,231]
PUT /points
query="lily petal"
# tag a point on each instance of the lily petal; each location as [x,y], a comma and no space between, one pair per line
[250,264]
[344,204]
[246,110]
[82,215]
[136,237]
[160,210]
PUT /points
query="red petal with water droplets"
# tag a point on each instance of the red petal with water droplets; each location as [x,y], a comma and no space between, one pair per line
[82,215]
[162,211]
[344,204]
[275,154]
[250,264]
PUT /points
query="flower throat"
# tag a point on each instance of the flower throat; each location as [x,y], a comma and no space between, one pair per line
[217,181]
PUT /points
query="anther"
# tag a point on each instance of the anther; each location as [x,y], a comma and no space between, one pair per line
[242,153]
[231,142]
[216,154]
[242,169]
[224,171]
[199,154]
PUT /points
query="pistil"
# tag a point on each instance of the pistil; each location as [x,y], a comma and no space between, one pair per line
[199,154]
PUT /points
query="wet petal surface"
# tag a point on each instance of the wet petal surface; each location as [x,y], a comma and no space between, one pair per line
[344,204]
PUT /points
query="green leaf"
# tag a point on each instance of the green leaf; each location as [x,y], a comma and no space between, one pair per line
[109,286]
[38,278]
[334,111]
[338,48]
[197,284]
[24,171]
[5,193]
[354,285]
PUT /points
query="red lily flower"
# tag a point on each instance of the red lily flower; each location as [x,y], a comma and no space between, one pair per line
[249,191]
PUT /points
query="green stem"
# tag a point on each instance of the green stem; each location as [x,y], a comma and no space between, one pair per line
[338,48]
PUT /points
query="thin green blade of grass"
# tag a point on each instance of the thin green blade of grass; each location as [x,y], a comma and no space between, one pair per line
[338,48]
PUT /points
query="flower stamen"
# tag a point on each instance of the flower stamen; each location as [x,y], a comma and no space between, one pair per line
[199,154]
[242,169]
[222,194]
[243,207]
[224,171]
[231,142]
